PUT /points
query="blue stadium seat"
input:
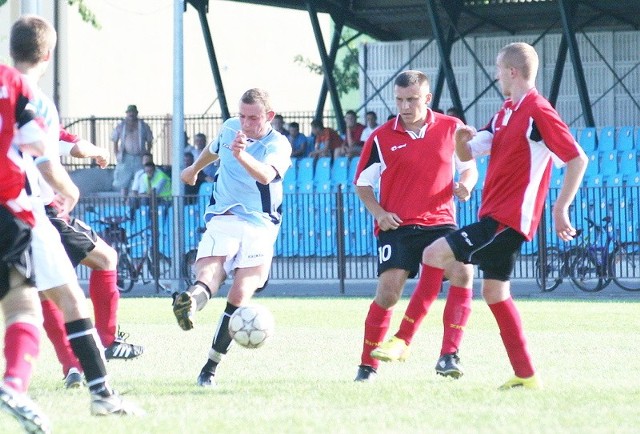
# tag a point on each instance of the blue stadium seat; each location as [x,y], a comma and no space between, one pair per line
[340,173]
[305,170]
[482,163]
[191,227]
[608,162]
[593,168]
[628,162]
[574,133]
[557,177]
[624,141]
[322,172]
[587,139]
[288,240]
[290,179]
[324,220]
[353,165]
[606,140]
[306,220]
[205,190]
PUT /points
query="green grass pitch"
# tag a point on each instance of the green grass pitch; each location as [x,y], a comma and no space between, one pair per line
[301,381]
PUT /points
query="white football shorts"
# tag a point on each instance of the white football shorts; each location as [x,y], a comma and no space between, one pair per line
[242,243]
[50,261]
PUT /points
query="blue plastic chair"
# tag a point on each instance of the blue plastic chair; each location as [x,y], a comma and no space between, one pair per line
[304,173]
[624,141]
[606,140]
[608,162]
[339,173]
[353,166]
[593,168]
[587,139]
[322,171]
[628,162]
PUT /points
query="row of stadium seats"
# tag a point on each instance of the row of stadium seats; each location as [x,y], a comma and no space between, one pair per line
[607,138]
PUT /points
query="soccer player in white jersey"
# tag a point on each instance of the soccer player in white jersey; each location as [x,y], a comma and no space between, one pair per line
[32,42]
[243,218]
[18,297]
[522,138]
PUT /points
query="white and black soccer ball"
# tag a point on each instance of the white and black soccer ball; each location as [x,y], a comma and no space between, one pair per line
[250,326]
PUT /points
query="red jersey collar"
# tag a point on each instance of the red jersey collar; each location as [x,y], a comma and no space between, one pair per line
[509,104]
[429,120]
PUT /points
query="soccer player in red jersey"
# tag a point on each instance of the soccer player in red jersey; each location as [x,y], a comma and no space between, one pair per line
[412,157]
[18,296]
[84,246]
[522,138]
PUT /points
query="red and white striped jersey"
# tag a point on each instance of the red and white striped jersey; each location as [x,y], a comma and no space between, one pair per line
[522,139]
[414,171]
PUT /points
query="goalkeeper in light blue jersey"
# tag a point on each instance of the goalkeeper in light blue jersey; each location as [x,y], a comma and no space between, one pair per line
[243,218]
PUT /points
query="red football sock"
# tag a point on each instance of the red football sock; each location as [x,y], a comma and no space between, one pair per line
[54,326]
[510,325]
[21,348]
[423,297]
[375,329]
[104,296]
[455,317]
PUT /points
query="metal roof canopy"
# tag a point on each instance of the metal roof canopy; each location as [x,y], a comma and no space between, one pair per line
[447,21]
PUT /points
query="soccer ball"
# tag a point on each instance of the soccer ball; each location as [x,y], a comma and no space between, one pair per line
[250,326]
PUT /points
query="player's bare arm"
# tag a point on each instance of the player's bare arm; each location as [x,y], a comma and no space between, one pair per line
[68,193]
[261,172]
[572,179]
[189,174]
[462,135]
[386,220]
[86,149]
[468,179]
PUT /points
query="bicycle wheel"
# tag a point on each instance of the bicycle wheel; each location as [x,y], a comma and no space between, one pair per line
[625,266]
[585,272]
[552,276]
[187,267]
[125,273]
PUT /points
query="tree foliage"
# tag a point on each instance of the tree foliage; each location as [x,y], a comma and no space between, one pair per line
[87,15]
[345,71]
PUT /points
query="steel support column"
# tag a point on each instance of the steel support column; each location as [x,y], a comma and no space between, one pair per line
[442,46]
[557,72]
[333,51]
[567,7]
[202,6]
[327,67]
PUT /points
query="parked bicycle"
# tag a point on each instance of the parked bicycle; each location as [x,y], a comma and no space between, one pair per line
[557,265]
[598,263]
[131,269]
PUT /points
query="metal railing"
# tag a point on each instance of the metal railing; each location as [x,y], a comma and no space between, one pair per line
[98,130]
[329,236]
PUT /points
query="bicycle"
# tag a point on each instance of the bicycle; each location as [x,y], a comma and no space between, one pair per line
[557,266]
[597,264]
[129,269]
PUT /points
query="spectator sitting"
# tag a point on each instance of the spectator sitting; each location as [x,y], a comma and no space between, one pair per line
[154,179]
[191,191]
[372,124]
[453,111]
[351,146]
[278,124]
[327,140]
[298,141]
[138,177]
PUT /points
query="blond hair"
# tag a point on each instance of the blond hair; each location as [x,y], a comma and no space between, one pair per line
[521,56]
[257,95]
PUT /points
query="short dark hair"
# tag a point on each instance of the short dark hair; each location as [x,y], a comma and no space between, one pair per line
[411,77]
[150,164]
[255,96]
[31,39]
[294,125]
[317,123]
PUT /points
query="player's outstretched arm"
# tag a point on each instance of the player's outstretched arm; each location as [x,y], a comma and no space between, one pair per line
[58,178]
[571,183]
